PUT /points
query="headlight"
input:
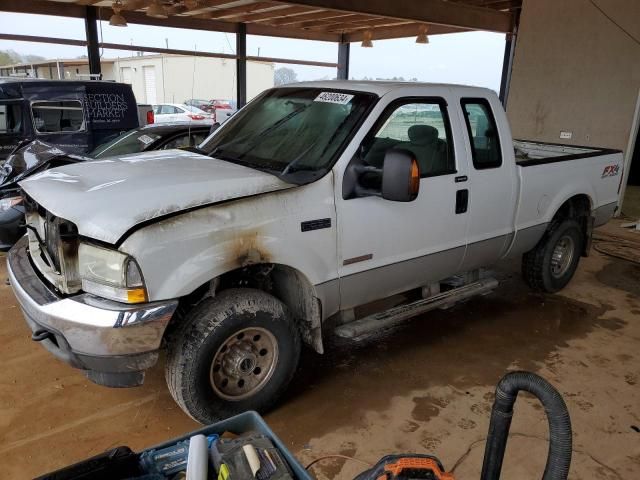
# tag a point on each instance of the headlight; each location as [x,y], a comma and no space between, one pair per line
[110,274]
[9,202]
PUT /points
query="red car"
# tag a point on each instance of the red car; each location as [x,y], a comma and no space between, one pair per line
[221,109]
[205,105]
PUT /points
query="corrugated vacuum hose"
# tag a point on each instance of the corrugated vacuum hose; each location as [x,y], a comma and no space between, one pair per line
[559,456]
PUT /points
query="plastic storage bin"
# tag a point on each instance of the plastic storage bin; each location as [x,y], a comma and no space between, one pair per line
[109,464]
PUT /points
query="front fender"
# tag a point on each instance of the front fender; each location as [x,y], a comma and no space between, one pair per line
[179,254]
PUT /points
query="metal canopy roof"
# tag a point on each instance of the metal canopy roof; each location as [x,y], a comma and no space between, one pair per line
[329,20]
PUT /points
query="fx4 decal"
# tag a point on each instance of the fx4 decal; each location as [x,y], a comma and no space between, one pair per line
[611,171]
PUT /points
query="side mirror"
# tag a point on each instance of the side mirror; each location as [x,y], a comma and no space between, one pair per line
[400,176]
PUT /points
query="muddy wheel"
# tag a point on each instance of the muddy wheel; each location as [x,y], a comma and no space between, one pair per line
[552,263]
[235,352]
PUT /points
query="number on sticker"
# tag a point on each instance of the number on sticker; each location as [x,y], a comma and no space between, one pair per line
[334,97]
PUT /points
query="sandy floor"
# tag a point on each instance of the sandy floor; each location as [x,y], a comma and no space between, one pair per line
[426,387]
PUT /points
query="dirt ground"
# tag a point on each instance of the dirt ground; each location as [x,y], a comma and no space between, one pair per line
[426,387]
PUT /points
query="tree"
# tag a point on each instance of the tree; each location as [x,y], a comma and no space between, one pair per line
[284,75]
[9,57]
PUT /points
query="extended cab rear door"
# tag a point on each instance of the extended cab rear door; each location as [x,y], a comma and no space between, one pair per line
[491,179]
[386,247]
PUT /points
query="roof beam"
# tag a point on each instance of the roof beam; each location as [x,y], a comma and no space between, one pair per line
[40,7]
[439,12]
[271,14]
[205,7]
[364,25]
[238,11]
[295,20]
[270,31]
[328,22]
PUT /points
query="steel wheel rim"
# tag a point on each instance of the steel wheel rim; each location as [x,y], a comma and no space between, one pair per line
[244,364]
[562,256]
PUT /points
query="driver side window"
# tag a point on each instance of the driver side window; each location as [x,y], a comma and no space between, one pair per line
[421,128]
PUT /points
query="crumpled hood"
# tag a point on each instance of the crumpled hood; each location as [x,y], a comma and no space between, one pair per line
[105,198]
[32,157]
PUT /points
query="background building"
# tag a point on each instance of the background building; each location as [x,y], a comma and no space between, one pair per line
[159,78]
[577,71]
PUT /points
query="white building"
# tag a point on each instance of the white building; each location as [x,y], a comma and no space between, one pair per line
[160,78]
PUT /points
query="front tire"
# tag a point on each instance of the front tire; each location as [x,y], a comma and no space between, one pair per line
[551,264]
[233,353]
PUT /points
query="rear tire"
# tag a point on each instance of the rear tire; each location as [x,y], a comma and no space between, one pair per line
[233,353]
[551,264]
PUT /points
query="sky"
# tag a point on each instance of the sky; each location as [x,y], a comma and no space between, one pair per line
[473,58]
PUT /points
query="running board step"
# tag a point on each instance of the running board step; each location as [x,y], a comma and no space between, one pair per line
[396,315]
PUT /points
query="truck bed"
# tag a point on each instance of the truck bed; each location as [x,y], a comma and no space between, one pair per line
[550,174]
[529,153]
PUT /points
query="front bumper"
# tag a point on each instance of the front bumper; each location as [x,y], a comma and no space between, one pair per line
[114,343]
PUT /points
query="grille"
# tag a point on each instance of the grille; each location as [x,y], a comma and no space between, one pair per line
[58,242]
[52,239]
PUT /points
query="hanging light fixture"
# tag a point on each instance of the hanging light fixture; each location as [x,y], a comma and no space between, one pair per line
[367,36]
[422,34]
[117,20]
[156,10]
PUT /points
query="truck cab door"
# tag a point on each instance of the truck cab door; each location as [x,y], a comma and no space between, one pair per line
[491,180]
[387,247]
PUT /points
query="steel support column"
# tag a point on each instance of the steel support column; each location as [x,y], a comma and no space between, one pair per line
[507,65]
[241,65]
[93,48]
[343,60]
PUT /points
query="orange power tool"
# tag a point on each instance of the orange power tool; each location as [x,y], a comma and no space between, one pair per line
[406,467]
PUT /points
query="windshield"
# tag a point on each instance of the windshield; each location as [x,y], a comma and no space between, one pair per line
[133,141]
[294,133]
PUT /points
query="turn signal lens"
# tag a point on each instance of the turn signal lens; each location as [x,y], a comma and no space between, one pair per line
[414,184]
[136,295]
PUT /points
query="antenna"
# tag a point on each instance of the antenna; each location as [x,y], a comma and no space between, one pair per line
[193,82]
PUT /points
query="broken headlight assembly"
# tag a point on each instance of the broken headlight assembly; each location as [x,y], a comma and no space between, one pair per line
[110,274]
[9,202]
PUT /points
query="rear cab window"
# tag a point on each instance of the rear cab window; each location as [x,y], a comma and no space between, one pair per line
[58,116]
[481,125]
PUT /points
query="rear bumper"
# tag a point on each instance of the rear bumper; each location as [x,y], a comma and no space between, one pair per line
[112,342]
[604,213]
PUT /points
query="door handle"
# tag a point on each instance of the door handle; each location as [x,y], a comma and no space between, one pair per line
[462,201]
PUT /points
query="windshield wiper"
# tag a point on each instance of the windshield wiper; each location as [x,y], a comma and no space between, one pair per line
[335,134]
[291,167]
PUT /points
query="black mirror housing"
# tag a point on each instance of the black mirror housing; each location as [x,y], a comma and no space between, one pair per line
[400,176]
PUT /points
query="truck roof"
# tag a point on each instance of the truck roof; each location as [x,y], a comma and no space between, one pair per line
[381,88]
[19,80]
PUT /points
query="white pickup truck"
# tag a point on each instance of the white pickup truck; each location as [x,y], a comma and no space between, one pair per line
[314,199]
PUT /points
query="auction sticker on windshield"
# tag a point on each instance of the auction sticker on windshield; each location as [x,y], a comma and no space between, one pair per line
[334,97]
